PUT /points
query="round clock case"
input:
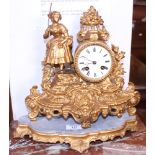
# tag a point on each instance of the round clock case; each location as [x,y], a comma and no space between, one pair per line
[93,61]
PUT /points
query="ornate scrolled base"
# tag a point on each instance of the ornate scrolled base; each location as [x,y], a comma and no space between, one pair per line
[68,131]
[68,95]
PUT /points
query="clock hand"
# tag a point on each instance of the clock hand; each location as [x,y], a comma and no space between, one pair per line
[86,58]
[93,62]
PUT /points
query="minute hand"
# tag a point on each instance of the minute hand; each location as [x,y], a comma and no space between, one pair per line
[86,58]
[93,62]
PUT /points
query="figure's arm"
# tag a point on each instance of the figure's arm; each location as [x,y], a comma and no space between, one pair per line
[47,33]
[64,31]
[65,34]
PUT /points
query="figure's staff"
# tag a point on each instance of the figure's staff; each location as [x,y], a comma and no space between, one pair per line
[48,17]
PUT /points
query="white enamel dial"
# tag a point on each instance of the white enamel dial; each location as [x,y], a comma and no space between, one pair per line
[94,62]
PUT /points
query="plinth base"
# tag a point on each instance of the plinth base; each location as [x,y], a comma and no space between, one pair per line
[68,131]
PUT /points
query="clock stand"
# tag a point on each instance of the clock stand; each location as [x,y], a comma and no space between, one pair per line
[88,109]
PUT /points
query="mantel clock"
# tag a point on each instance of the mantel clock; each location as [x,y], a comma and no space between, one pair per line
[86,88]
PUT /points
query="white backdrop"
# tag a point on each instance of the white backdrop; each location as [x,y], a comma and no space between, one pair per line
[28,20]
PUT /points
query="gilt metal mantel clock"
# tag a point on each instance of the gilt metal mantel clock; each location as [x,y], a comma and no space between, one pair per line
[85,91]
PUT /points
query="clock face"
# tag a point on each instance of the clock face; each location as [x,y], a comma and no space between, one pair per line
[93,62]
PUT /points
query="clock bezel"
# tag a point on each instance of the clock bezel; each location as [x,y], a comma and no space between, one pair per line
[80,49]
